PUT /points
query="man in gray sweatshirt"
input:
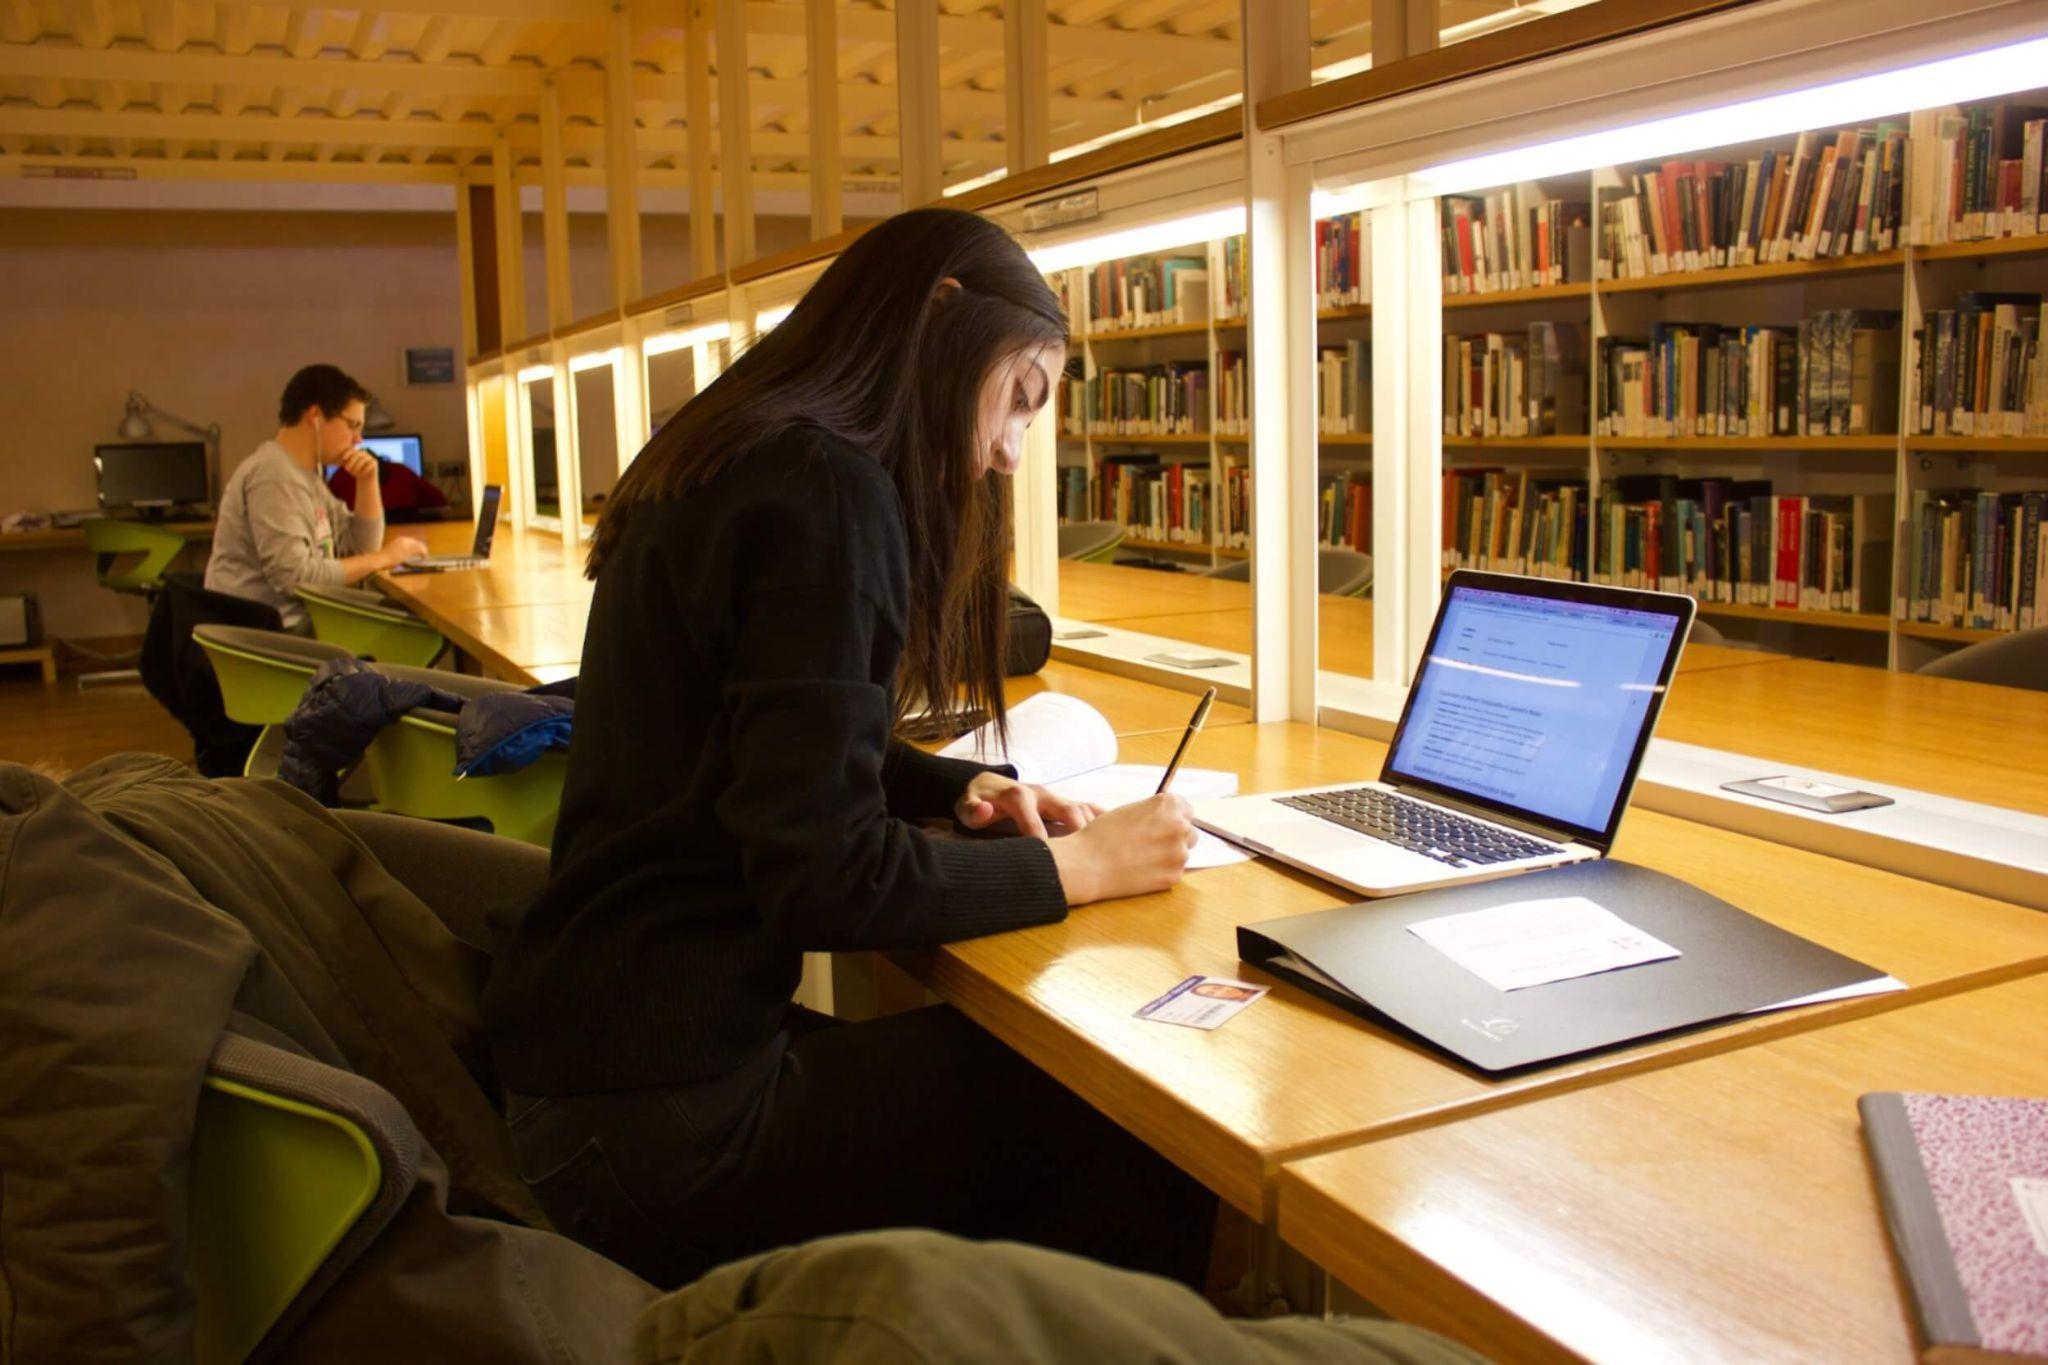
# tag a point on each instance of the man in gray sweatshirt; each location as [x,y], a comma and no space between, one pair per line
[278,525]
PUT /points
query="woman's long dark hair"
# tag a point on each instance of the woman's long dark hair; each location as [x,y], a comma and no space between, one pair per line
[880,356]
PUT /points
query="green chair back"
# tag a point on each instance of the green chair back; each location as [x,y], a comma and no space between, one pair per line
[276,1186]
[255,690]
[412,772]
[387,636]
[113,541]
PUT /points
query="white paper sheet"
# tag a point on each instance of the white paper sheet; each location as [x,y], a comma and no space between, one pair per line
[1532,943]
[1052,736]
[1066,745]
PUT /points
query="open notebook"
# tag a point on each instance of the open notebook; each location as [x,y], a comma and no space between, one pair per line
[1065,744]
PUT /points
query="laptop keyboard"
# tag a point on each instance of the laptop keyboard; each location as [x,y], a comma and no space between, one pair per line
[1429,830]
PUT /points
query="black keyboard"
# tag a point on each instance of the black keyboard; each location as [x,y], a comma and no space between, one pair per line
[1429,830]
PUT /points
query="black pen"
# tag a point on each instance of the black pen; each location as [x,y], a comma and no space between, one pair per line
[1194,728]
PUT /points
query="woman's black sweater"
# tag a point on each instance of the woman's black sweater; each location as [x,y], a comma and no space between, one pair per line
[734,798]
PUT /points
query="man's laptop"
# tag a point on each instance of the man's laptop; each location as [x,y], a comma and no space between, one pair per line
[1517,748]
[480,552]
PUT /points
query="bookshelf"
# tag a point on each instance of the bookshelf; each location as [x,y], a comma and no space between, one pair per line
[1213,458]
[1886,501]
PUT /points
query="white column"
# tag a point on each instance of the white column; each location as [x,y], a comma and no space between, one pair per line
[554,207]
[1407,379]
[735,134]
[917,100]
[1282,336]
[1027,88]
[697,63]
[622,172]
[821,37]
[1402,28]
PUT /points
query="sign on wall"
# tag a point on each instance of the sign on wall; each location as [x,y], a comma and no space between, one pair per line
[429,366]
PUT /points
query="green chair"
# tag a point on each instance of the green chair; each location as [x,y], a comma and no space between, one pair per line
[262,675]
[296,1168]
[152,547]
[129,557]
[370,626]
[411,767]
[1093,541]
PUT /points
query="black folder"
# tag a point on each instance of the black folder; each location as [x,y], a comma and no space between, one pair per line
[1363,958]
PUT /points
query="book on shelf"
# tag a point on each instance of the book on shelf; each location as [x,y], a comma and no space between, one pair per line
[1343,261]
[1976,558]
[1824,198]
[1231,293]
[1148,291]
[1344,389]
[1233,394]
[1505,384]
[1739,541]
[1169,399]
[1234,507]
[1528,522]
[1980,369]
[1155,498]
[1836,373]
[1978,172]
[1963,1180]
[1345,513]
[1511,239]
[1062,283]
[1073,492]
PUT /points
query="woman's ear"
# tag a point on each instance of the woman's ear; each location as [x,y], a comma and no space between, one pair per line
[947,288]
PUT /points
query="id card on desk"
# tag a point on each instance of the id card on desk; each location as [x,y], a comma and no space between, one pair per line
[1203,1002]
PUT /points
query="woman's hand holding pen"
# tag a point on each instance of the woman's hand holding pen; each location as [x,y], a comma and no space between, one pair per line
[1130,851]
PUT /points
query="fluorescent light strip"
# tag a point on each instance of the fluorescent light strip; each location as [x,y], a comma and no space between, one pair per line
[768,321]
[1973,76]
[1136,241]
[593,360]
[535,372]
[976,182]
[688,336]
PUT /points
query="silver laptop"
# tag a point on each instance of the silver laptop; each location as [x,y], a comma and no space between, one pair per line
[480,552]
[1517,749]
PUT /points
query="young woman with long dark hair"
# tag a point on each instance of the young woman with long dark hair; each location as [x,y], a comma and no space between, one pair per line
[811,549]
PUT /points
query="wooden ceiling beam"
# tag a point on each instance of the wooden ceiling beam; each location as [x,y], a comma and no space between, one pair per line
[303,32]
[92,23]
[234,28]
[163,28]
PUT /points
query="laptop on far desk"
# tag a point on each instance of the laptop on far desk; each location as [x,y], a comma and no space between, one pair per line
[480,552]
[1517,748]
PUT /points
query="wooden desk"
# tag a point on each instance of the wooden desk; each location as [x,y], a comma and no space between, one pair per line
[523,615]
[1101,592]
[1961,739]
[1292,1075]
[1722,1210]
[73,537]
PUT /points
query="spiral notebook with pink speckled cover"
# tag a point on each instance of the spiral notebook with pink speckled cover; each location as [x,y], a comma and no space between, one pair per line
[1965,1186]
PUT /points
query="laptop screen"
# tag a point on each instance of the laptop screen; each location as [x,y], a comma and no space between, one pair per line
[487,521]
[1538,704]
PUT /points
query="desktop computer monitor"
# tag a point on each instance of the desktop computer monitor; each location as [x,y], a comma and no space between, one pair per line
[403,450]
[151,475]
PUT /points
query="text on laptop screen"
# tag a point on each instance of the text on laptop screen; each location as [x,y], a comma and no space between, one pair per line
[1534,703]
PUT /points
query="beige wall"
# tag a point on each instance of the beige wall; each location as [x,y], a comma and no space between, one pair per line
[208,313]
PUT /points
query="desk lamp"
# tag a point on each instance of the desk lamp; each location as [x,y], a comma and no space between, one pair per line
[135,427]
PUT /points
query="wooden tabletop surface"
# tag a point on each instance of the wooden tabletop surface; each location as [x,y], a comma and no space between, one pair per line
[73,537]
[1293,1075]
[523,616]
[1961,739]
[1723,1210]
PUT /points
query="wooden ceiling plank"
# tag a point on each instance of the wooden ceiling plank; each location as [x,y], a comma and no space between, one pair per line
[304,31]
[92,23]
[372,36]
[163,28]
[435,40]
[234,28]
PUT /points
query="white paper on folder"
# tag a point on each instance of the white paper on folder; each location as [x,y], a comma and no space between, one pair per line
[1064,744]
[1533,943]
